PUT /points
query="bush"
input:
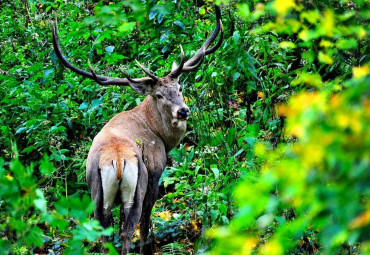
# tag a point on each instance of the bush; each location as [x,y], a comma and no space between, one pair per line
[315,189]
[312,193]
[27,223]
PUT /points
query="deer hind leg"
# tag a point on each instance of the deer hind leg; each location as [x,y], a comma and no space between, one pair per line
[133,189]
[110,186]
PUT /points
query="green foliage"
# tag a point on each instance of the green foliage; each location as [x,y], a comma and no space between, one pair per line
[311,195]
[316,188]
[301,167]
[27,222]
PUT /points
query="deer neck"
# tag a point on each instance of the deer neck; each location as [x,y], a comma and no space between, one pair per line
[160,124]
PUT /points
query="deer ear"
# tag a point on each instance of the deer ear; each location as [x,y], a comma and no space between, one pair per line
[142,88]
[174,65]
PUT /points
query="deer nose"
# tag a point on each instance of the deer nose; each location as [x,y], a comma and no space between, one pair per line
[183,113]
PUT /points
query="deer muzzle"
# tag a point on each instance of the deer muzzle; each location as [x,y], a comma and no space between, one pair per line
[183,113]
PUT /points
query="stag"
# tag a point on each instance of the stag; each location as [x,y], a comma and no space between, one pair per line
[127,157]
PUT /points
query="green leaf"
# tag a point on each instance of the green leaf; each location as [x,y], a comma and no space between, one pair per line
[244,11]
[346,44]
[109,49]
[179,23]
[127,27]
[215,171]
[34,237]
[46,167]
[236,76]
[111,249]
[214,215]
[236,36]
[40,201]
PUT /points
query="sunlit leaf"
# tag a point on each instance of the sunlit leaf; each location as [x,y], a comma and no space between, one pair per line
[359,72]
[283,6]
[325,58]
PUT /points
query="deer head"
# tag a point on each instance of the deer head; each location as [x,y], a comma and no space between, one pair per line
[166,91]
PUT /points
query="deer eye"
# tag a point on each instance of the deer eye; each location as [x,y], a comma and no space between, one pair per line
[158,96]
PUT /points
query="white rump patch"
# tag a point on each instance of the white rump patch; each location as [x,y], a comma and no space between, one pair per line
[129,182]
[110,185]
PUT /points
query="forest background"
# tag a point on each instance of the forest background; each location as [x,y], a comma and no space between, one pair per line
[276,155]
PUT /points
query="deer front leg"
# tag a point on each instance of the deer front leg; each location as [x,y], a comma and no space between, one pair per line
[149,201]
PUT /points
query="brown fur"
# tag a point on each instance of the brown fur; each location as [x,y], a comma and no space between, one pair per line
[147,133]
[117,152]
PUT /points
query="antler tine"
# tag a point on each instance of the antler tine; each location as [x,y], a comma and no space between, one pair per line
[128,77]
[198,58]
[146,71]
[178,71]
[209,41]
[206,52]
[192,68]
[219,42]
[95,77]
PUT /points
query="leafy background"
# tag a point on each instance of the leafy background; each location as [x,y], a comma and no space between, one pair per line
[276,155]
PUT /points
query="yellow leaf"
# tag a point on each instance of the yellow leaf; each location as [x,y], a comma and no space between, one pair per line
[283,6]
[303,35]
[260,149]
[202,11]
[360,221]
[359,72]
[272,248]
[311,79]
[313,155]
[361,33]
[10,178]
[259,7]
[325,58]
[165,215]
[326,44]
[249,245]
[195,226]
[42,23]
[137,233]
[287,45]
[74,118]
[328,23]
[343,120]
[260,95]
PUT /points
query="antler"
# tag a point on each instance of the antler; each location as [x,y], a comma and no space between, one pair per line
[102,80]
[187,66]
[197,59]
